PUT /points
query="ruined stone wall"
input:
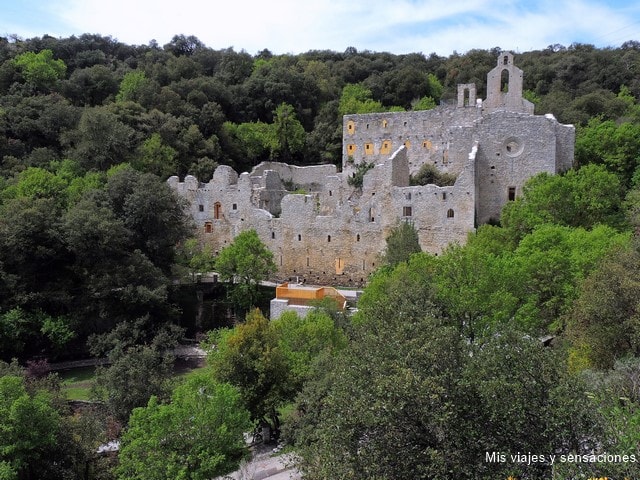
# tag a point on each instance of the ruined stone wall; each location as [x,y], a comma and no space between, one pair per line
[514,148]
[428,135]
[335,233]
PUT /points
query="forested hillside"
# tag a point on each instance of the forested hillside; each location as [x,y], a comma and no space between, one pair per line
[526,339]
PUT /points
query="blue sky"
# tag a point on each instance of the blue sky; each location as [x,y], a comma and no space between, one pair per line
[294,26]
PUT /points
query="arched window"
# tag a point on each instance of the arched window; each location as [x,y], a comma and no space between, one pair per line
[504,81]
[450,213]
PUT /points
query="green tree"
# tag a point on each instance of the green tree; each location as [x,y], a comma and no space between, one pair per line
[245,263]
[131,86]
[289,133]
[614,145]
[156,157]
[250,358]
[429,174]
[30,426]
[604,323]
[40,69]
[580,198]
[357,99]
[197,436]
[425,103]
[302,340]
[100,141]
[136,374]
[402,242]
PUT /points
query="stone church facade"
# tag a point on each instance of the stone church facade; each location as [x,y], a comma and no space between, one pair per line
[332,233]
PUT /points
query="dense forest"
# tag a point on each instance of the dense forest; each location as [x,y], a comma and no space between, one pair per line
[524,340]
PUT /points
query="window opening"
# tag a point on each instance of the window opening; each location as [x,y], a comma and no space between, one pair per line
[504,81]
[217,210]
[512,193]
[450,213]
[406,211]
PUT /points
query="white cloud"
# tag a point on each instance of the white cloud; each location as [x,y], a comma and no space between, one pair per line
[401,26]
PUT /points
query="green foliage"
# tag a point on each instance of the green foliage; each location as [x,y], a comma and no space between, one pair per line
[616,395]
[399,294]
[133,377]
[131,85]
[197,436]
[30,426]
[580,198]
[156,157]
[614,145]
[197,258]
[429,174]
[100,141]
[402,242]
[40,69]
[289,133]
[302,340]
[425,103]
[368,407]
[357,179]
[604,324]
[245,263]
[357,98]
[249,357]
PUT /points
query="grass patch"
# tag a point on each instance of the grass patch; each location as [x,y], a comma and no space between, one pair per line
[76,383]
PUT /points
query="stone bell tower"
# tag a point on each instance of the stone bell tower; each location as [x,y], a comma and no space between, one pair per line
[504,88]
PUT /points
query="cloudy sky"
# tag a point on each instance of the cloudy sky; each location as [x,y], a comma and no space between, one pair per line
[294,26]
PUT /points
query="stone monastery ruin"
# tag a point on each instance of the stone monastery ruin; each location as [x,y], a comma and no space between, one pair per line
[334,233]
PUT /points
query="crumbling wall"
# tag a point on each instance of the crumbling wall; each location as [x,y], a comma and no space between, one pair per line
[335,233]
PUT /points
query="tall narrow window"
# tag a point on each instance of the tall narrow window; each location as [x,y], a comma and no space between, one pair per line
[217,211]
[504,81]
[328,238]
[299,237]
[512,194]
[357,237]
[201,208]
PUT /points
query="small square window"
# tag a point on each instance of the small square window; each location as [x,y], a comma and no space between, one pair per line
[201,208]
[406,211]
[234,206]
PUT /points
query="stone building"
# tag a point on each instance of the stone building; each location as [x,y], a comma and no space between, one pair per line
[325,231]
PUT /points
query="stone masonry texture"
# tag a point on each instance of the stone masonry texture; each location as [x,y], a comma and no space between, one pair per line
[334,234]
